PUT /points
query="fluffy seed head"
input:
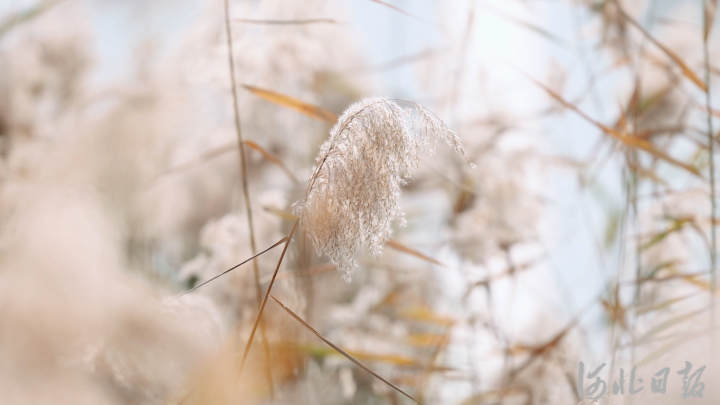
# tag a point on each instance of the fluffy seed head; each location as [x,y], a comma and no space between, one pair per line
[354,195]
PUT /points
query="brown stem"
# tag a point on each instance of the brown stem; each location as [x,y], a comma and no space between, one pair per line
[265,298]
[245,189]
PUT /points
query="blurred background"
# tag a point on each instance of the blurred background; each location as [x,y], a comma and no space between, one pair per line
[582,237]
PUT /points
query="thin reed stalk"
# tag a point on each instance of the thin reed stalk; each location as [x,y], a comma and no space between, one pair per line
[711,146]
[245,187]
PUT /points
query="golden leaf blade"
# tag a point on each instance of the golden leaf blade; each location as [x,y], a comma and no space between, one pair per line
[686,70]
[426,315]
[626,139]
[426,339]
[270,157]
[292,103]
[405,249]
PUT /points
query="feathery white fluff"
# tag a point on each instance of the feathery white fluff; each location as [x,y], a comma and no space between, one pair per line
[354,195]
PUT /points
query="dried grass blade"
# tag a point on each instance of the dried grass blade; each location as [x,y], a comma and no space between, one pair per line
[683,338]
[628,140]
[662,305]
[265,298]
[424,314]
[236,266]
[231,147]
[271,158]
[430,367]
[405,249]
[394,359]
[647,173]
[425,339]
[687,72]
[341,351]
[661,351]
[668,324]
[693,279]
[280,213]
[553,343]
[396,8]
[204,157]
[293,103]
[675,226]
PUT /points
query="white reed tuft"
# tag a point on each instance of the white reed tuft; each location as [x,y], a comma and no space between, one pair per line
[354,195]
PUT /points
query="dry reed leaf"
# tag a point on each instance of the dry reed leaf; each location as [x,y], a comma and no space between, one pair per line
[645,134]
[341,351]
[426,339]
[204,157]
[236,266]
[519,349]
[643,105]
[647,173]
[544,348]
[668,324]
[293,103]
[660,352]
[231,147]
[284,214]
[430,368]
[396,8]
[424,314]
[394,359]
[676,225]
[632,103]
[405,249]
[390,299]
[509,272]
[684,338]
[661,305]
[690,278]
[693,279]
[628,140]
[271,157]
[686,71]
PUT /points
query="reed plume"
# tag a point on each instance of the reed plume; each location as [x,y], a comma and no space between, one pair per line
[354,196]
